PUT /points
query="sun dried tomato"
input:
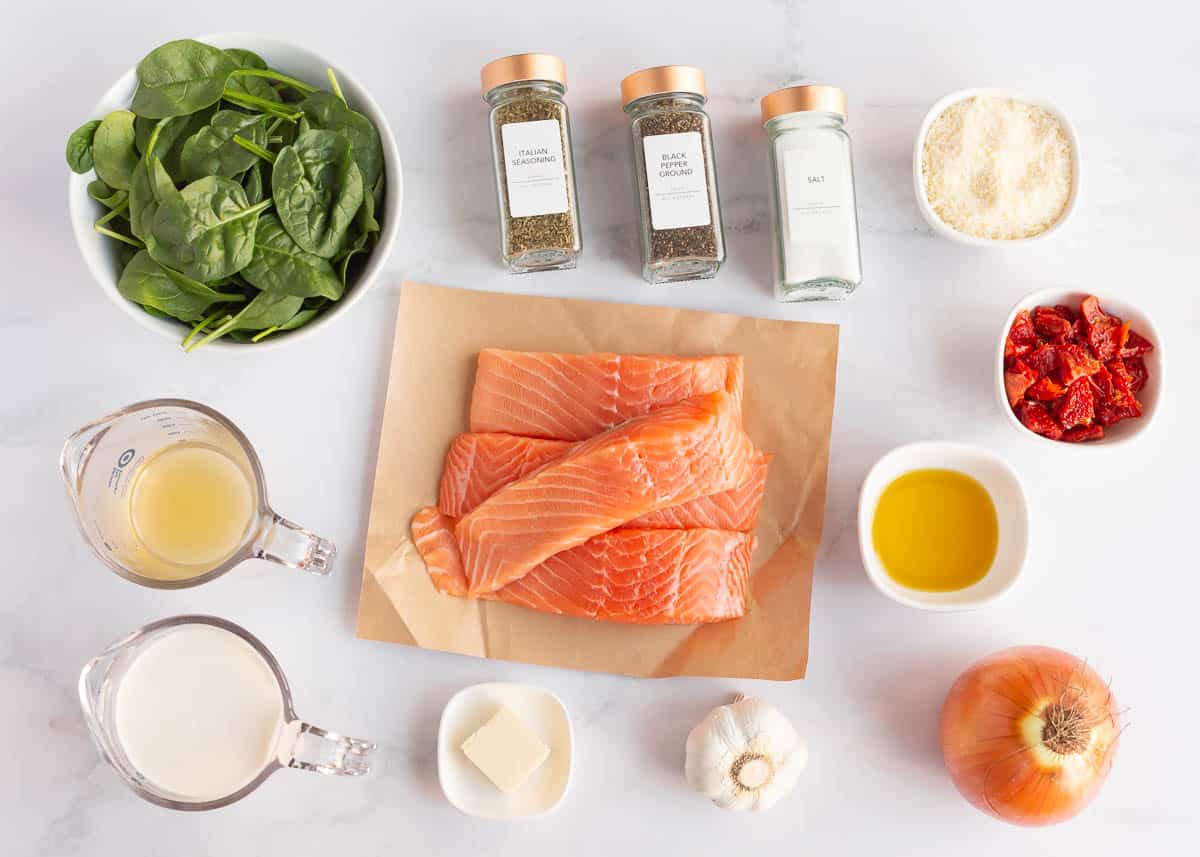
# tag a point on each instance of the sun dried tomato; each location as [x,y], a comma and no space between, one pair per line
[1080,434]
[1017,380]
[1080,330]
[1035,417]
[1023,332]
[1078,406]
[1090,310]
[1065,311]
[1108,337]
[1046,390]
[1052,325]
[1043,359]
[1075,363]
[1136,345]
[1138,374]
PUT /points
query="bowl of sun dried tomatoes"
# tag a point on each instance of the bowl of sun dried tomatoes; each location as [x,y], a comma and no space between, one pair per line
[1077,368]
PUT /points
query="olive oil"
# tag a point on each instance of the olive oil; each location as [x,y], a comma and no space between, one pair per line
[935,530]
[190,506]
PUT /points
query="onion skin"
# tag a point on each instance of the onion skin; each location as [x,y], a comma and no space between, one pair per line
[993,735]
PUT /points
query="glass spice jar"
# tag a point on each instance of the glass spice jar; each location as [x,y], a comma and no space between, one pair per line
[812,176]
[535,171]
[681,233]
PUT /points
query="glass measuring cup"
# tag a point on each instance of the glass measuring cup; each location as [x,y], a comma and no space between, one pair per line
[101,461]
[295,743]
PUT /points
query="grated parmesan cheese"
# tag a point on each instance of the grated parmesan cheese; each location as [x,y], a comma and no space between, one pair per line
[997,168]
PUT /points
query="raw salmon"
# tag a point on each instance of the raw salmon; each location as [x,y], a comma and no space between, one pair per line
[480,464]
[576,396]
[681,577]
[674,454]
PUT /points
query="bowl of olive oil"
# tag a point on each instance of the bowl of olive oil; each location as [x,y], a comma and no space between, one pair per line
[943,526]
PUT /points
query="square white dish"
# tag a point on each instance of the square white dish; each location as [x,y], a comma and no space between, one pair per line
[466,787]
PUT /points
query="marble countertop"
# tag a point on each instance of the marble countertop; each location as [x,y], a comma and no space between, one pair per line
[1112,574]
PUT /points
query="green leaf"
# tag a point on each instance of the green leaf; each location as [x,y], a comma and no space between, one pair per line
[256,86]
[280,265]
[151,187]
[206,230]
[253,183]
[267,310]
[212,152]
[105,195]
[326,111]
[156,287]
[181,77]
[113,149]
[172,136]
[317,190]
[79,146]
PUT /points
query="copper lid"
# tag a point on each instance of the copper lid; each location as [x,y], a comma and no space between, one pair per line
[797,99]
[522,67]
[663,78]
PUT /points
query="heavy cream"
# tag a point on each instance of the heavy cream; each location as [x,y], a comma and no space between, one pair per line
[199,712]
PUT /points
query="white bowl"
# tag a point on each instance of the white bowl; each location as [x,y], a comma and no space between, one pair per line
[100,253]
[946,230]
[1124,431]
[1012,516]
[467,788]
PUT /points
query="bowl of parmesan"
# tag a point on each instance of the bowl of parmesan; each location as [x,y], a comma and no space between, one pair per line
[994,167]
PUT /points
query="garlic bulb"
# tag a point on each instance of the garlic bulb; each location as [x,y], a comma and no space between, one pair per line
[745,755]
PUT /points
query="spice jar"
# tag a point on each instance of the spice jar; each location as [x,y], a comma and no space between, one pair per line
[816,225]
[535,172]
[681,233]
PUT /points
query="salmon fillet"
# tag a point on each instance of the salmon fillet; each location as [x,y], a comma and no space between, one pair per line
[576,396]
[480,464]
[689,449]
[682,577]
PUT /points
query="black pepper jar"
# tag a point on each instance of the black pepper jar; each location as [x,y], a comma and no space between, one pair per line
[682,236]
[535,171]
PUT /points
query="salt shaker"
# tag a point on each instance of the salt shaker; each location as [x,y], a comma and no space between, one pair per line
[816,224]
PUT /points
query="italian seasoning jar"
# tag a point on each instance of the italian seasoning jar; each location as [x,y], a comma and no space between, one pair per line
[681,232]
[535,172]
[816,224]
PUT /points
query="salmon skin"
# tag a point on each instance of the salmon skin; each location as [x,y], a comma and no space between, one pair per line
[677,453]
[637,576]
[480,464]
[576,396]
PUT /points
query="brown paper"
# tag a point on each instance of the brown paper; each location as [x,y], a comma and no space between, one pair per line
[790,376]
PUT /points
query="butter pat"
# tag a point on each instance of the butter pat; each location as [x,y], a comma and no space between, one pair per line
[505,750]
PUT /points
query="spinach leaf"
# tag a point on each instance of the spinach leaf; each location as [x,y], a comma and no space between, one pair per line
[212,152]
[113,150]
[105,195]
[79,146]
[327,111]
[358,246]
[301,318]
[317,189]
[256,86]
[266,310]
[206,230]
[181,77]
[148,283]
[151,187]
[172,136]
[279,265]
[253,183]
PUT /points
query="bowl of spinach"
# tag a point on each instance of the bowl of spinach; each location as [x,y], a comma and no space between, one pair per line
[234,191]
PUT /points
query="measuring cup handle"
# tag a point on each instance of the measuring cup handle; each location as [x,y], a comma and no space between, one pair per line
[316,749]
[287,544]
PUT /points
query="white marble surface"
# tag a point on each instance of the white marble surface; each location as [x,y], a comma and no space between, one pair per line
[1113,572]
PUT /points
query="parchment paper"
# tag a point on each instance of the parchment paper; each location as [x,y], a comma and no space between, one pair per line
[790,376]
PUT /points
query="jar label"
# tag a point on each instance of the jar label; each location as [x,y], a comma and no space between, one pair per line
[818,203]
[676,181]
[533,168]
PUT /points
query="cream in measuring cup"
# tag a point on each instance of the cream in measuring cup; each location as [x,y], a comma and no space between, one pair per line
[169,493]
[194,713]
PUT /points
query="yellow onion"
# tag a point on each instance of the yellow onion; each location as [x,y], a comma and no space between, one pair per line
[1029,733]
